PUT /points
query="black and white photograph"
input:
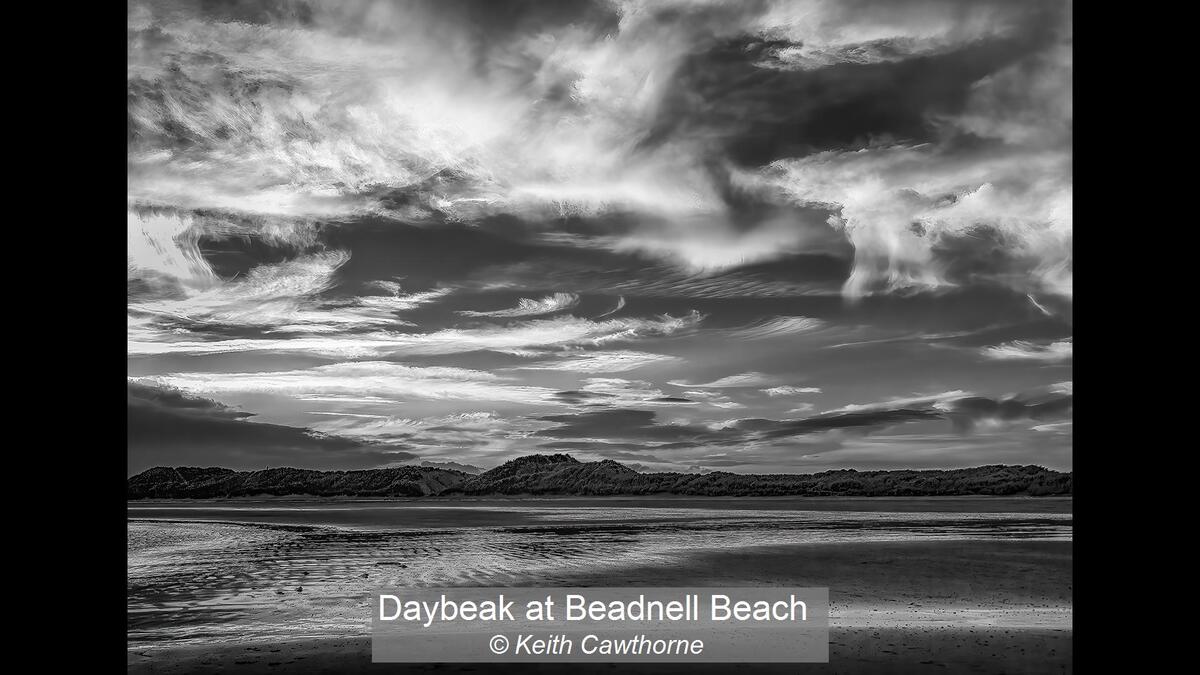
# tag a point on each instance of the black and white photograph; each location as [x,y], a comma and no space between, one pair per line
[756,298]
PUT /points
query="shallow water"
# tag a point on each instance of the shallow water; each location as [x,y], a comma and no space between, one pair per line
[270,570]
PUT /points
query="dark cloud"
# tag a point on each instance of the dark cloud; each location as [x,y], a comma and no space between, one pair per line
[168,428]
[965,412]
[618,424]
[642,427]
[581,397]
[144,396]
[968,412]
[870,420]
[756,115]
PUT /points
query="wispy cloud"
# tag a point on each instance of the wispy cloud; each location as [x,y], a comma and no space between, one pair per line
[790,390]
[612,361]
[739,380]
[379,379]
[526,307]
[1022,350]
[919,401]
[541,333]
[620,305]
[777,327]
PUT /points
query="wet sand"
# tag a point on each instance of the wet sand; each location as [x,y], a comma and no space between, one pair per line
[944,607]
[863,651]
[951,574]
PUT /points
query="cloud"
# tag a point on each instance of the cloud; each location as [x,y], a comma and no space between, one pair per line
[910,337]
[920,400]
[708,244]
[613,361]
[713,398]
[1023,350]
[1056,427]
[595,109]
[1051,404]
[166,245]
[169,427]
[510,206]
[330,398]
[964,412]
[270,296]
[860,420]
[621,392]
[539,333]
[620,305]
[380,379]
[739,380]
[666,281]
[576,397]
[526,307]
[619,424]
[616,392]
[531,119]
[439,434]
[821,33]
[1026,103]
[987,195]
[780,326]
[181,293]
[923,217]
[789,390]
[142,395]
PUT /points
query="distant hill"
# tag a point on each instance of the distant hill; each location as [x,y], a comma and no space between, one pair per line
[189,482]
[565,475]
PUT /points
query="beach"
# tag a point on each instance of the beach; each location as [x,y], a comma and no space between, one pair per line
[960,589]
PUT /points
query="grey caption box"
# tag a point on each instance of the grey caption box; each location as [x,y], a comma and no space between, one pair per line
[513,625]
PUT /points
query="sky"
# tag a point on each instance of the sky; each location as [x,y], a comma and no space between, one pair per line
[747,236]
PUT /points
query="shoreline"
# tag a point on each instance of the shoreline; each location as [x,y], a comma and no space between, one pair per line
[935,504]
